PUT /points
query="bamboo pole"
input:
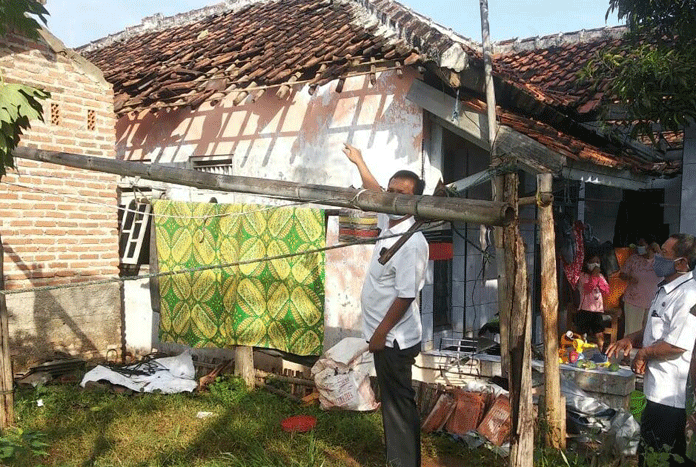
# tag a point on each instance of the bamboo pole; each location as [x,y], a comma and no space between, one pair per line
[497,185]
[425,207]
[555,437]
[6,379]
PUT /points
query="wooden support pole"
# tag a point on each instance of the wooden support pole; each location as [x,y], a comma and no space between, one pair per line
[425,207]
[497,189]
[555,416]
[543,198]
[244,364]
[6,378]
[502,256]
[520,335]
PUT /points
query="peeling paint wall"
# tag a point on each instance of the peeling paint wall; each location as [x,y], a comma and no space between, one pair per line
[300,140]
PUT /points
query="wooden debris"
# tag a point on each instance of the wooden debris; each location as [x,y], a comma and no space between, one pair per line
[206,380]
[277,391]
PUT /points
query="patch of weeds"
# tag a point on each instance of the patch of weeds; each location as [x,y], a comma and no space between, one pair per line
[549,457]
[654,458]
[228,390]
[18,443]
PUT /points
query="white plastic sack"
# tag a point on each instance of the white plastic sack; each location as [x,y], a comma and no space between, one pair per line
[168,375]
[342,376]
[626,433]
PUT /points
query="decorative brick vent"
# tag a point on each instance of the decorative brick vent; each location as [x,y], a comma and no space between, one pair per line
[91,120]
[55,114]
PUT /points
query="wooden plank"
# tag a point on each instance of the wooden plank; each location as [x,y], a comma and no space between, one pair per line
[6,378]
[439,103]
[555,437]
[533,155]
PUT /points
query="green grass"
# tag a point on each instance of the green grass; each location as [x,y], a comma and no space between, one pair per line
[101,428]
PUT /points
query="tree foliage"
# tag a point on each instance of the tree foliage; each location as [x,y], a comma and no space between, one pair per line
[19,104]
[651,74]
[20,16]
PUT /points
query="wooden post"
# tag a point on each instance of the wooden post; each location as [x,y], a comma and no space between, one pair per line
[520,312]
[555,437]
[244,364]
[6,379]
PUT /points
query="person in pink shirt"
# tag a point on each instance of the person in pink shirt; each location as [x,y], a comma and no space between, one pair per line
[592,287]
[642,285]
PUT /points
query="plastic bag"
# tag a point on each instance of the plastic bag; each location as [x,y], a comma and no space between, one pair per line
[342,376]
[626,433]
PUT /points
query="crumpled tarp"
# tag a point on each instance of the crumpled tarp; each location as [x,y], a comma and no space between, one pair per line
[167,375]
[590,416]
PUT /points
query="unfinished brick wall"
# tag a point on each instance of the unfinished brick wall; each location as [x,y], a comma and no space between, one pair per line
[59,224]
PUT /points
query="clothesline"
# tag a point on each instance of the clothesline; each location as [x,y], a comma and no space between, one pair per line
[208,267]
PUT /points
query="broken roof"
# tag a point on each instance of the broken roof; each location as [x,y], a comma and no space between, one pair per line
[236,46]
[251,46]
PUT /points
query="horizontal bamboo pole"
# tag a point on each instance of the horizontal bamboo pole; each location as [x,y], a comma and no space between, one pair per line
[426,207]
[285,379]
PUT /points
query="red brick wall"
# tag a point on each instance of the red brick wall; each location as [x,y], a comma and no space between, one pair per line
[60,224]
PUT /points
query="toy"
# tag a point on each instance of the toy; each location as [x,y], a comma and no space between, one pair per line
[571,346]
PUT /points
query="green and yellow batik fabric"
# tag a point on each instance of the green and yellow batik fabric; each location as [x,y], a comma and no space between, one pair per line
[275,304]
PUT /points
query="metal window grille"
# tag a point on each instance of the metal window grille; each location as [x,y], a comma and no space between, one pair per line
[135,223]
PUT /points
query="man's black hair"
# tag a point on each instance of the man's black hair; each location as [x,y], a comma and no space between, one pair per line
[418,184]
[685,247]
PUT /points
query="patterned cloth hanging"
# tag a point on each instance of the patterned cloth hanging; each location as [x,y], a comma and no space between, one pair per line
[275,304]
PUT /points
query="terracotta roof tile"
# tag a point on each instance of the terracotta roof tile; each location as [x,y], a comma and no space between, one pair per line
[225,49]
[557,60]
[572,147]
[262,41]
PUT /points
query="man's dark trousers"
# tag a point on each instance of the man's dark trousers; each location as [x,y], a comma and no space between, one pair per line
[399,412]
[662,425]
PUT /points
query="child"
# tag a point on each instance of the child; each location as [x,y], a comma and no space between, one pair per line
[592,286]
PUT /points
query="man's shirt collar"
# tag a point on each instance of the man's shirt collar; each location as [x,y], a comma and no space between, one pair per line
[401,227]
[670,286]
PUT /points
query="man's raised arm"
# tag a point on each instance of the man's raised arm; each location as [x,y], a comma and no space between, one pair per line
[355,156]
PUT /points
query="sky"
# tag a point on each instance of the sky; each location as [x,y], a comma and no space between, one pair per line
[77,22]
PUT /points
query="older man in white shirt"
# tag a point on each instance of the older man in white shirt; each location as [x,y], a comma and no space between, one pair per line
[391,318]
[665,347]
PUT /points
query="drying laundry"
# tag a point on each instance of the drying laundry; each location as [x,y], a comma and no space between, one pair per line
[275,304]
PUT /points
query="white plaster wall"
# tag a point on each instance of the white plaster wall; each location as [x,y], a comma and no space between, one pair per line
[139,319]
[300,140]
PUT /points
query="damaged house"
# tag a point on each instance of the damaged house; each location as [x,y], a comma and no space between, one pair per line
[274,89]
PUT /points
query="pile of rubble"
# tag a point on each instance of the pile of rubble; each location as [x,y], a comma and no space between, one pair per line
[463,412]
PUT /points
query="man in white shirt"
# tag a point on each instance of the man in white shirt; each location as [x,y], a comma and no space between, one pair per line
[665,347]
[391,318]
